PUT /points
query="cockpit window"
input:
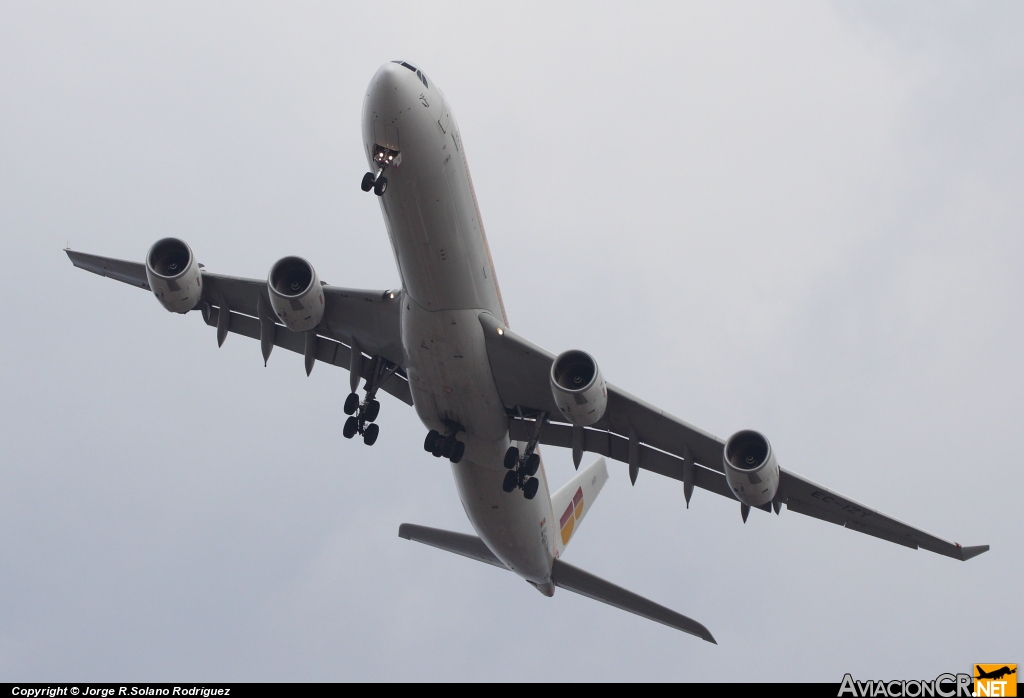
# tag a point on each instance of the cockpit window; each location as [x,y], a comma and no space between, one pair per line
[419,73]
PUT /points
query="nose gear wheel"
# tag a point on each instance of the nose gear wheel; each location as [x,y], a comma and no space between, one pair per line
[383,158]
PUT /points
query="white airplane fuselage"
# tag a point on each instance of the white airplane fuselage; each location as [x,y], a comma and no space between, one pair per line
[448,280]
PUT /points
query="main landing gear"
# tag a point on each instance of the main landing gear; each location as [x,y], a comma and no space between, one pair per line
[446,445]
[383,158]
[365,412]
[522,468]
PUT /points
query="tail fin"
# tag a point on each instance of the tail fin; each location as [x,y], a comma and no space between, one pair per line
[571,503]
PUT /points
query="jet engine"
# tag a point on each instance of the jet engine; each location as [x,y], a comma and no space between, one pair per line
[579,388]
[296,294]
[750,468]
[174,275]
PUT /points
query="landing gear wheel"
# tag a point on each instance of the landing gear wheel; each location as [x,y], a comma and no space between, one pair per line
[372,410]
[351,403]
[438,445]
[511,481]
[380,186]
[351,427]
[448,446]
[511,458]
[367,183]
[432,437]
[531,465]
[370,435]
[458,451]
[530,488]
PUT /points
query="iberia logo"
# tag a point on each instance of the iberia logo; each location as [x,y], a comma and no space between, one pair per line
[572,514]
[995,679]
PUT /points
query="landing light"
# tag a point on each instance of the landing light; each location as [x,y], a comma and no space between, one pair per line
[391,295]
[501,331]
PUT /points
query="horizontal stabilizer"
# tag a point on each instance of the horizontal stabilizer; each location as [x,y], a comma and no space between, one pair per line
[458,543]
[563,575]
[574,579]
[967,552]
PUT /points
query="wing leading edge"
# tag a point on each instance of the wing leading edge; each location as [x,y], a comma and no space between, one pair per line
[521,372]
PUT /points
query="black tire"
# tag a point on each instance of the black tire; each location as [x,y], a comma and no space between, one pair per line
[367,183]
[372,410]
[370,435]
[532,464]
[458,452]
[380,186]
[531,487]
[448,446]
[511,457]
[351,403]
[511,481]
[438,445]
[432,437]
[351,427]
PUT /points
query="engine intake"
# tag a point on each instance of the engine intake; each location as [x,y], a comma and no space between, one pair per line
[173,275]
[580,391]
[750,468]
[296,294]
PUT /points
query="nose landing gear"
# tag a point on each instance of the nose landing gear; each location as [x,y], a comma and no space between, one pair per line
[382,158]
[364,413]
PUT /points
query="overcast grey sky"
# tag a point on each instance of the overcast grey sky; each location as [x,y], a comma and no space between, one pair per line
[800,218]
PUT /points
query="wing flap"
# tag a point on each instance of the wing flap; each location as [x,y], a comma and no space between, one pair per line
[617,448]
[327,350]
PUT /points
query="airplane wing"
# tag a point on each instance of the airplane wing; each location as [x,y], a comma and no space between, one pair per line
[368,320]
[667,445]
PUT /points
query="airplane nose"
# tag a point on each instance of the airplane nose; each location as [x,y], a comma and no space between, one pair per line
[393,89]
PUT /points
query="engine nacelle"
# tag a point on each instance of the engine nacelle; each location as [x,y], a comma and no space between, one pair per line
[750,468]
[296,294]
[174,275]
[579,388]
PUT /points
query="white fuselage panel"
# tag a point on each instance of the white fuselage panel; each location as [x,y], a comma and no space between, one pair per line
[448,279]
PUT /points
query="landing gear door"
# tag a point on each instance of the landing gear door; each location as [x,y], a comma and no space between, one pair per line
[386,136]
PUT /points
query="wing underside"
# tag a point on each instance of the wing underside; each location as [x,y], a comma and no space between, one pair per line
[666,445]
[366,319]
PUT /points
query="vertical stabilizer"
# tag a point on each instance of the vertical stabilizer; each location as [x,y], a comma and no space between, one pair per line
[571,503]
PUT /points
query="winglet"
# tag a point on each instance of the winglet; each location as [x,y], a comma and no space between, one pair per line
[972,551]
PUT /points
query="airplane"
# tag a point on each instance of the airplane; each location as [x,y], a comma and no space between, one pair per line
[488,397]
[995,674]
